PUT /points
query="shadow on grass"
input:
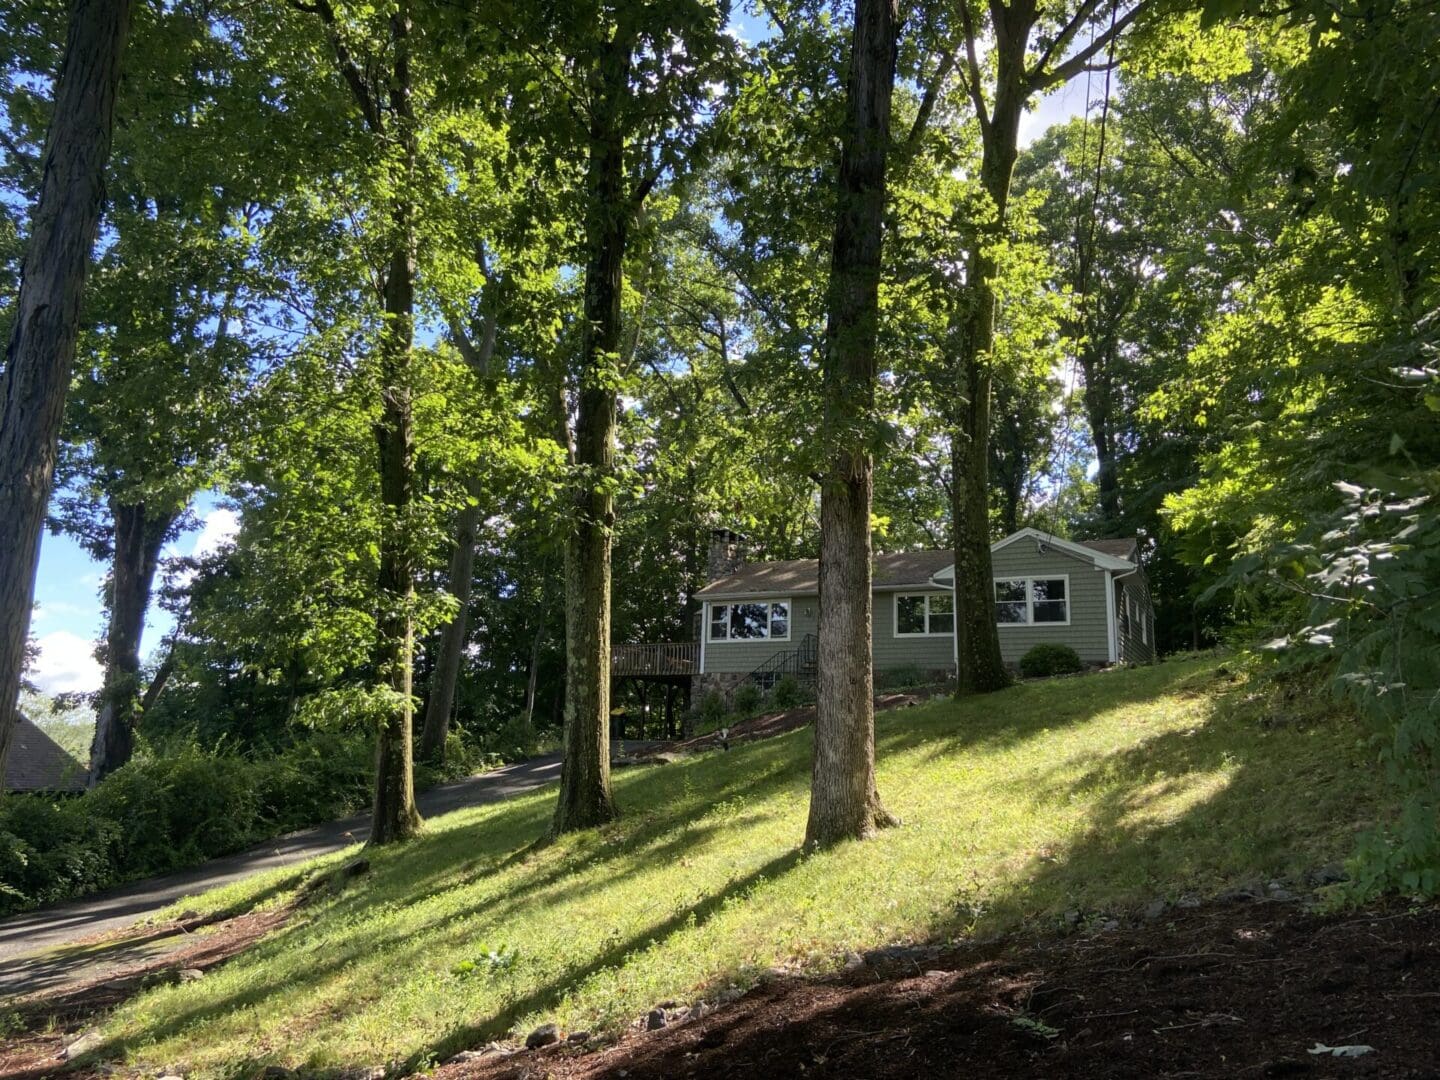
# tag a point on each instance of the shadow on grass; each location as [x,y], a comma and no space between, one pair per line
[1234,798]
[679,808]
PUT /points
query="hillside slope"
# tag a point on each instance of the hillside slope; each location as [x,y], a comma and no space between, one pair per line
[1044,805]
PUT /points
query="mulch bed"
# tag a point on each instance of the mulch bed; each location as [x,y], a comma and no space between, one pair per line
[1227,990]
[44,1024]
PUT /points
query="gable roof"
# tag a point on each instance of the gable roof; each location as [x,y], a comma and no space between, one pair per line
[38,763]
[1103,553]
[801,577]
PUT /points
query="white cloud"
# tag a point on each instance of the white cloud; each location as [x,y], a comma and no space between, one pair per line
[219,531]
[66,664]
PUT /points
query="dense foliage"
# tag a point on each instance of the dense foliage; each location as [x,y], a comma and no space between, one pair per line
[1044,660]
[1202,312]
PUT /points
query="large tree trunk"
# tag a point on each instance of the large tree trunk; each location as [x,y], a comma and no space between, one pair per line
[1096,369]
[46,316]
[585,796]
[443,681]
[844,803]
[138,539]
[977,636]
[395,816]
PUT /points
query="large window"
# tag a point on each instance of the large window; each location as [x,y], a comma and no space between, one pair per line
[750,621]
[1028,601]
[922,614]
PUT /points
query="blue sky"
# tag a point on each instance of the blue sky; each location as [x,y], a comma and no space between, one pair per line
[69,618]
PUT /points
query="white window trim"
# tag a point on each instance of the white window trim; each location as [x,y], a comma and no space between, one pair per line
[927,632]
[1030,622]
[768,601]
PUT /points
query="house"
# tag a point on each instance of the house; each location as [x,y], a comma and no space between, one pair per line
[37,763]
[758,621]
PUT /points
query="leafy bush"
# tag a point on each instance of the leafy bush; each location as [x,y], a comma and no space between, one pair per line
[788,693]
[712,710]
[746,699]
[895,678]
[162,813]
[1050,659]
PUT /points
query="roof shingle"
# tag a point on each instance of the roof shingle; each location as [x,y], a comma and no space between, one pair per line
[38,763]
[801,577]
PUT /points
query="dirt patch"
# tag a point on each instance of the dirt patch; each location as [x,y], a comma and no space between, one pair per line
[1238,990]
[39,1026]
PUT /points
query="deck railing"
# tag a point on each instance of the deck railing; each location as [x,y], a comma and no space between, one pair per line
[655,659]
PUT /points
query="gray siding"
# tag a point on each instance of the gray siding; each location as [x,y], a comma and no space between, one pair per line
[928,653]
[1087,633]
[743,657]
[1136,635]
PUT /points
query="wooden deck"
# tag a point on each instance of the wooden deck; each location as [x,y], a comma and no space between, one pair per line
[658,660]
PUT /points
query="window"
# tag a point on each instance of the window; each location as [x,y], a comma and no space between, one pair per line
[1010,605]
[750,621]
[918,614]
[1027,601]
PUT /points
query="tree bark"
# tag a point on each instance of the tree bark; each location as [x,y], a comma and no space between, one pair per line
[844,803]
[395,815]
[1097,412]
[585,795]
[138,539]
[977,637]
[532,676]
[46,316]
[443,681]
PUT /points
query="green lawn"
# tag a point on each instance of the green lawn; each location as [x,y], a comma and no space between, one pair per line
[1093,793]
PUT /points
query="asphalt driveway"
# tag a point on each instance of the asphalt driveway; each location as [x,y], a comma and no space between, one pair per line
[32,932]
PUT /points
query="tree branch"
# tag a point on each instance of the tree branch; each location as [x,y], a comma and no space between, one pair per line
[1079,63]
[928,102]
[349,69]
[972,64]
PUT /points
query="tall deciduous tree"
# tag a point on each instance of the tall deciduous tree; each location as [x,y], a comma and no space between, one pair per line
[643,77]
[382,91]
[844,802]
[47,315]
[1018,73]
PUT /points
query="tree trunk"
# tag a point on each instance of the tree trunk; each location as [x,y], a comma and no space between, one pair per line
[395,816]
[844,803]
[585,796]
[452,639]
[532,677]
[138,539]
[1096,369]
[46,316]
[977,636]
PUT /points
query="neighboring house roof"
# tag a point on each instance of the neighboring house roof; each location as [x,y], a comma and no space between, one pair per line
[37,762]
[801,577]
[1123,548]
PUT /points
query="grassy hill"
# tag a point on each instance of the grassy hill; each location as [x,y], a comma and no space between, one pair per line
[1092,794]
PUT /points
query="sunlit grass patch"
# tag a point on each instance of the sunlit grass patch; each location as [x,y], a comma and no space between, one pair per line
[1094,793]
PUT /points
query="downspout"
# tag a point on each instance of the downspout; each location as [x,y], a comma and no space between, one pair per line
[1110,614]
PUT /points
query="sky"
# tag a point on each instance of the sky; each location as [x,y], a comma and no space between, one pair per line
[69,618]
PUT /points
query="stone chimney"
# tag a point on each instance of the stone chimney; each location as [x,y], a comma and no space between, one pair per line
[727,554]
